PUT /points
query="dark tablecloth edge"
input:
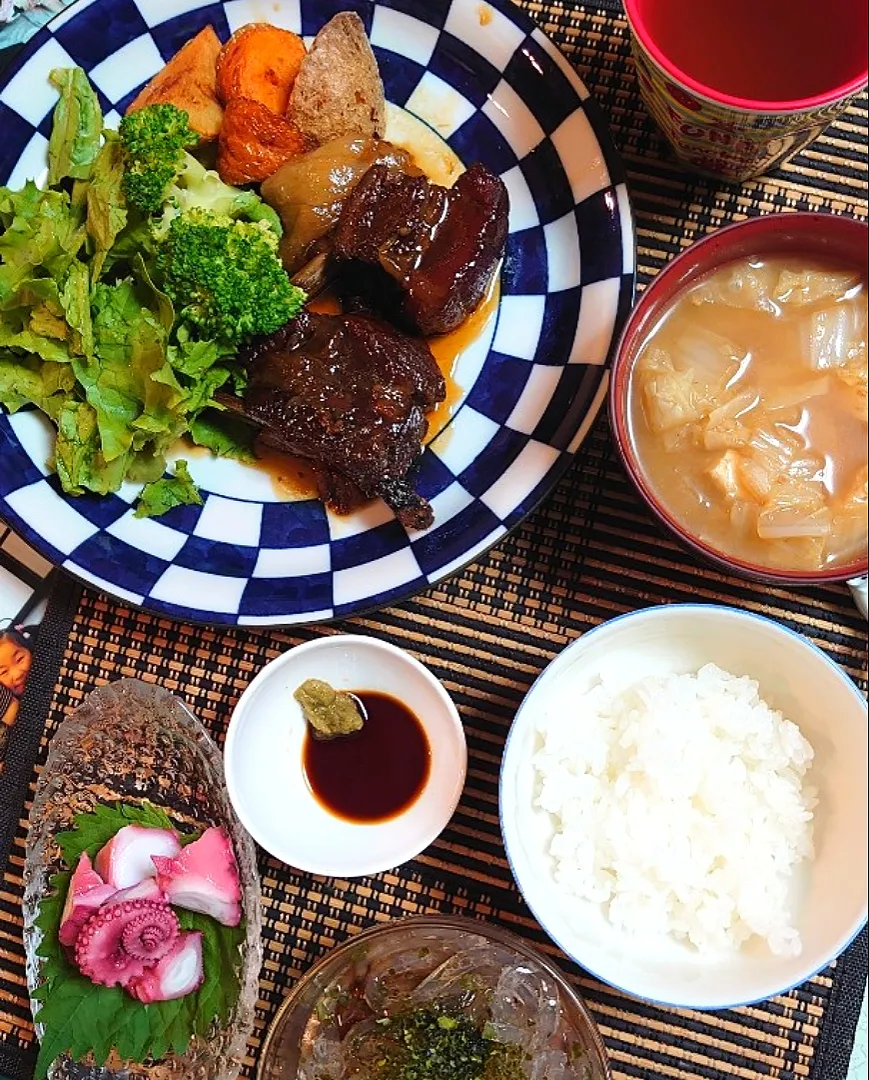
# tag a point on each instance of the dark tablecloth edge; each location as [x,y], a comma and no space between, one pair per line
[24,739]
[839,1030]
[23,751]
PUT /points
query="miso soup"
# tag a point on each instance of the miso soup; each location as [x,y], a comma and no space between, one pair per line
[748,409]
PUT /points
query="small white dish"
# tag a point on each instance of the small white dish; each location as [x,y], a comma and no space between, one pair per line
[830,894]
[264,759]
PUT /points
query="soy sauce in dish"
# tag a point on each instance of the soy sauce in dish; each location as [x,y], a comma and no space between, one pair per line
[376,773]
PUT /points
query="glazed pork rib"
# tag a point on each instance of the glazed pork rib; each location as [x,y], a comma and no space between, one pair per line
[350,395]
[427,253]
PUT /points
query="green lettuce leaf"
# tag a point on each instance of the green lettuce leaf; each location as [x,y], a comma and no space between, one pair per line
[76,447]
[134,240]
[46,322]
[128,376]
[80,463]
[148,464]
[30,381]
[201,391]
[203,368]
[76,303]
[194,358]
[170,491]
[106,207]
[41,231]
[32,292]
[32,320]
[24,203]
[78,125]
[86,333]
[224,436]
[115,347]
[34,344]
[157,301]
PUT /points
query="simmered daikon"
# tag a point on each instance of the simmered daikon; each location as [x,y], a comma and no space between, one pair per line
[749,412]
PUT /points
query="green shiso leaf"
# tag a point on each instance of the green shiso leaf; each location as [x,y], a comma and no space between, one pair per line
[80,1019]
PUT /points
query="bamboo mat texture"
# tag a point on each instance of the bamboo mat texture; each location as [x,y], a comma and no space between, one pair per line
[589,553]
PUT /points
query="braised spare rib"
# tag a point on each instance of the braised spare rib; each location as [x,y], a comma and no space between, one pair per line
[350,394]
[427,253]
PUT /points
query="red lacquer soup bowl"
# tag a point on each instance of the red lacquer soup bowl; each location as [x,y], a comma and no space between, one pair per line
[824,237]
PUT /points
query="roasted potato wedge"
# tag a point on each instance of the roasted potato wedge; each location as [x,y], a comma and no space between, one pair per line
[255,142]
[189,81]
[260,62]
[338,90]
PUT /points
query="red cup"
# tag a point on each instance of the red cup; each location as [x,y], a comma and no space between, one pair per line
[825,236]
[740,86]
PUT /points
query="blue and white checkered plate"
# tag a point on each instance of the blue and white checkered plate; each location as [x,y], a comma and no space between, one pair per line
[498,91]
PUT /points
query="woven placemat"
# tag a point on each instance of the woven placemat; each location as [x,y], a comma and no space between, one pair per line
[591,552]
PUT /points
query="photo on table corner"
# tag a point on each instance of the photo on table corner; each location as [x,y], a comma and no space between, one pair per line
[16,656]
[24,584]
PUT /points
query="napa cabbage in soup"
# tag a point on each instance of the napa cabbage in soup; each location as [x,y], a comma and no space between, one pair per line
[749,412]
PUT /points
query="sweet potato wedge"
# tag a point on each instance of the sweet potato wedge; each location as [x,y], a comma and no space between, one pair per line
[189,81]
[260,62]
[255,142]
[338,90]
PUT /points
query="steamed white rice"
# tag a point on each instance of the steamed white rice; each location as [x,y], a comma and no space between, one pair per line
[679,804]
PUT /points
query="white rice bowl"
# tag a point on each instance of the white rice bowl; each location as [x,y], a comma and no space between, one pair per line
[679,805]
[789,921]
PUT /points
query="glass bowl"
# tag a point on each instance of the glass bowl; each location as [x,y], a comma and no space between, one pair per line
[128,742]
[390,963]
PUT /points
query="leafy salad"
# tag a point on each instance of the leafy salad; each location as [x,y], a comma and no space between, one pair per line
[127,286]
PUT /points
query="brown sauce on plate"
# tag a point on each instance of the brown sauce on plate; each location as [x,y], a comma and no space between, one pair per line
[293,478]
[448,350]
[375,774]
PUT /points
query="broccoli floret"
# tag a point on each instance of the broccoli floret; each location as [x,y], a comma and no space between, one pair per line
[159,174]
[154,141]
[225,277]
[196,187]
[257,210]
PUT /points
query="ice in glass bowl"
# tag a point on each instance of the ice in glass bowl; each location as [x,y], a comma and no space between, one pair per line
[327,1028]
